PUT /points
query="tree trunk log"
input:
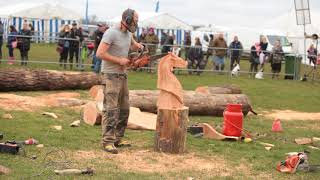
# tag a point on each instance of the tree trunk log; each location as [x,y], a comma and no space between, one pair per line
[39,80]
[171,130]
[224,89]
[198,103]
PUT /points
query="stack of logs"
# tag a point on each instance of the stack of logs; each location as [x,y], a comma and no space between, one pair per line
[207,101]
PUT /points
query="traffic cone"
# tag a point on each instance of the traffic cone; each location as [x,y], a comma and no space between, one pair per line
[276,126]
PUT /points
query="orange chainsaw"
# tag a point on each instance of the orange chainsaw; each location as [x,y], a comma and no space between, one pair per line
[141,58]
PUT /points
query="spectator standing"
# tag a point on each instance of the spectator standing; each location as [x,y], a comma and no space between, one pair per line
[24,43]
[75,44]
[152,40]
[1,40]
[64,44]
[312,54]
[12,39]
[97,36]
[254,59]
[187,44]
[142,37]
[167,46]
[277,56]
[210,46]
[164,35]
[235,51]
[195,57]
[220,48]
[264,53]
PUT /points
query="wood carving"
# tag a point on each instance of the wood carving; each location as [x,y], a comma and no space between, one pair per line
[171,128]
[171,92]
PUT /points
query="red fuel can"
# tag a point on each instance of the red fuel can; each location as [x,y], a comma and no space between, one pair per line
[233,120]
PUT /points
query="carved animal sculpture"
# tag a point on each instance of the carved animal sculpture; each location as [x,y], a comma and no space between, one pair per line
[171,92]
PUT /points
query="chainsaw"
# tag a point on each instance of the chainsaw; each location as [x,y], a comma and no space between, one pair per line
[142,58]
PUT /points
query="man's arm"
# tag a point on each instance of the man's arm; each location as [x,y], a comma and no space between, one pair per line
[103,54]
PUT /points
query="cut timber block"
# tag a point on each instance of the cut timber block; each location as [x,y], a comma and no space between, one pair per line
[141,120]
[303,141]
[171,130]
[210,133]
[91,114]
[94,90]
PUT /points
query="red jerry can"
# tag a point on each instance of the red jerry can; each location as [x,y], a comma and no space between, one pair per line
[233,120]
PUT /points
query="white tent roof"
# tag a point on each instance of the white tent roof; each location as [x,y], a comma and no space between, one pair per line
[42,10]
[157,20]
[287,24]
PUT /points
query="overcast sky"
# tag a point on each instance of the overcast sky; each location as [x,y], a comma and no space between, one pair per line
[219,12]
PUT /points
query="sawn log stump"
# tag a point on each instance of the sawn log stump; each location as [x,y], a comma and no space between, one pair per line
[171,130]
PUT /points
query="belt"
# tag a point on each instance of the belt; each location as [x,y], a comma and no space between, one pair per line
[117,75]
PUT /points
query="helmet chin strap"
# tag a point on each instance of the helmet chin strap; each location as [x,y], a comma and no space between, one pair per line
[126,26]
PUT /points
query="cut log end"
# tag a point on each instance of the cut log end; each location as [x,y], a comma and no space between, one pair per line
[91,114]
[171,130]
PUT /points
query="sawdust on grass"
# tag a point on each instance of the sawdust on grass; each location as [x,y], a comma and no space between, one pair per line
[10,102]
[147,161]
[291,115]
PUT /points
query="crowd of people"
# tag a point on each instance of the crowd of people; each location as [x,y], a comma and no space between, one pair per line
[17,39]
[71,40]
[69,43]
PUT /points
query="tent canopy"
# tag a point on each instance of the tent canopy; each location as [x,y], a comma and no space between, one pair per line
[38,11]
[157,20]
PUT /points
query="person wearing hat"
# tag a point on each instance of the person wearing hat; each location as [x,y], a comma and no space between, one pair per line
[75,34]
[152,42]
[97,36]
[113,50]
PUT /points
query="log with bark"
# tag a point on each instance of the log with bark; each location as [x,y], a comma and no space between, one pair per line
[198,103]
[37,80]
[223,89]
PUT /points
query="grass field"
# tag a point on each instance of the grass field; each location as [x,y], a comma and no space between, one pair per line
[230,160]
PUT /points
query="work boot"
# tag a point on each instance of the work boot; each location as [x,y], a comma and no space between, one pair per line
[122,143]
[111,149]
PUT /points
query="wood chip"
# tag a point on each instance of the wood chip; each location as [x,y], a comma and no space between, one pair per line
[312,147]
[268,148]
[58,128]
[7,116]
[75,124]
[53,115]
[4,170]
[266,144]
[303,141]
[316,141]
[40,146]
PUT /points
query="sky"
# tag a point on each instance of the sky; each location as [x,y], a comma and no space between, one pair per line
[230,13]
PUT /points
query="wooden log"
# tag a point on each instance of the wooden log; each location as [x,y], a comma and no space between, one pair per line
[199,104]
[37,80]
[171,130]
[91,114]
[224,89]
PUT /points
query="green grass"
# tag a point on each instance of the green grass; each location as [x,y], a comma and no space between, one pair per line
[264,94]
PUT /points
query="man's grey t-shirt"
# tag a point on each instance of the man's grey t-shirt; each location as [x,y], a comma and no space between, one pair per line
[120,43]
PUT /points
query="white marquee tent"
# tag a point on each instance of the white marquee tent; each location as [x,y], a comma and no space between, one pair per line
[287,24]
[159,21]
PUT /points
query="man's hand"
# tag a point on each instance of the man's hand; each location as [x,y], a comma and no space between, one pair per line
[124,61]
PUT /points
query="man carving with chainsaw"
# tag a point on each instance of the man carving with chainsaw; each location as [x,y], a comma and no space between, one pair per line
[113,50]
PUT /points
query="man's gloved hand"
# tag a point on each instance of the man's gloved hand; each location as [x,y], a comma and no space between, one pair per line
[124,61]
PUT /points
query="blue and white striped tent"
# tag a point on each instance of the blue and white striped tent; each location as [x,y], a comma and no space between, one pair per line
[45,29]
[46,19]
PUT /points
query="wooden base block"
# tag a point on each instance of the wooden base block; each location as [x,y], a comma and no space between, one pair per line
[171,130]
